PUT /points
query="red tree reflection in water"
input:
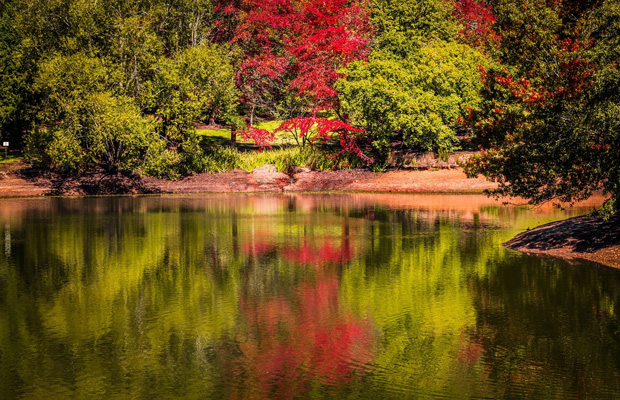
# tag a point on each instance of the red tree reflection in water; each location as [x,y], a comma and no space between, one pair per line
[470,349]
[258,248]
[325,254]
[302,335]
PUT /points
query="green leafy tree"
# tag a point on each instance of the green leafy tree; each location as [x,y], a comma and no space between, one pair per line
[63,81]
[416,100]
[548,127]
[183,23]
[86,125]
[195,85]
[418,80]
[604,100]
[14,77]
[102,130]
[404,26]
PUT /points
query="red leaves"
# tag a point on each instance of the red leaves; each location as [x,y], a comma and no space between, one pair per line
[321,129]
[306,41]
[313,129]
[572,78]
[521,89]
[601,147]
[331,35]
[477,21]
[261,137]
[297,47]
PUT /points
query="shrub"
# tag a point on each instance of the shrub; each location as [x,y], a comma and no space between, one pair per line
[54,149]
[285,159]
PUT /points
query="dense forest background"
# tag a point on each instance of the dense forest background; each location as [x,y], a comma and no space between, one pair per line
[122,85]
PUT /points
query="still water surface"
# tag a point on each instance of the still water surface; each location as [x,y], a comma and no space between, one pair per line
[309,296]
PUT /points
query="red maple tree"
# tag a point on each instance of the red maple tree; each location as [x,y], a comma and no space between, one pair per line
[292,51]
[477,21]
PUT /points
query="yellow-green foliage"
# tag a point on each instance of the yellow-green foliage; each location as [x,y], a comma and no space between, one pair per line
[55,149]
[226,159]
[191,86]
[142,293]
[419,97]
[100,129]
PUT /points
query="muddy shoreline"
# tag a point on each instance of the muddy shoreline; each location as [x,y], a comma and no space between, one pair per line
[574,240]
[22,183]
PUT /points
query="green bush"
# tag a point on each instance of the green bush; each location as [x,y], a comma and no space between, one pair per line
[285,159]
[417,99]
[54,149]
[607,210]
[192,158]
[161,162]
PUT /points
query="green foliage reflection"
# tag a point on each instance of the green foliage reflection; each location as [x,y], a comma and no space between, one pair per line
[276,296]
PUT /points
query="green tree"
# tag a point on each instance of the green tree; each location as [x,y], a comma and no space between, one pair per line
[104,131]
[603,104]
[549,122]
[417,81]
[195,85]
[14,99]
[417,99]
[404,26]
[63,81]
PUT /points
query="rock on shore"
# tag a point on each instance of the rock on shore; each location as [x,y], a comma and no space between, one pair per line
[574,239]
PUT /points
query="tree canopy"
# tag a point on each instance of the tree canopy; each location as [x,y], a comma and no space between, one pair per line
[121,85]
[548,127]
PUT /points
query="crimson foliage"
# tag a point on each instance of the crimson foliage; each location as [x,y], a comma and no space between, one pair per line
[477,23]
[291,52]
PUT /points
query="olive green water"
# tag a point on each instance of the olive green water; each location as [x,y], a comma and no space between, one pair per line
[309,296]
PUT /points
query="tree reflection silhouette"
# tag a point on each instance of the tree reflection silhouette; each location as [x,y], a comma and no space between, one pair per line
[301,335]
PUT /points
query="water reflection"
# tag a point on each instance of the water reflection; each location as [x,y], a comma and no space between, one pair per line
[277,296]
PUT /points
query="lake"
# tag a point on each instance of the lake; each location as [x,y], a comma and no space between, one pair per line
[301,295]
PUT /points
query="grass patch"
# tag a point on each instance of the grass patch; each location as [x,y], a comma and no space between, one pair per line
[221,137]
[223,133]
[12,158]
[268,125]
[285,159]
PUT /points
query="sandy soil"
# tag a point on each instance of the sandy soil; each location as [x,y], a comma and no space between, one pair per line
[574,239]
[27,183]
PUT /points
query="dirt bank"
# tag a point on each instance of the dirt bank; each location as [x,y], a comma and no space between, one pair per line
[574,239]
[23,182]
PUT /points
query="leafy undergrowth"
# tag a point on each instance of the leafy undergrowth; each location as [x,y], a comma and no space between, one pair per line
[10,159]
[285,159]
